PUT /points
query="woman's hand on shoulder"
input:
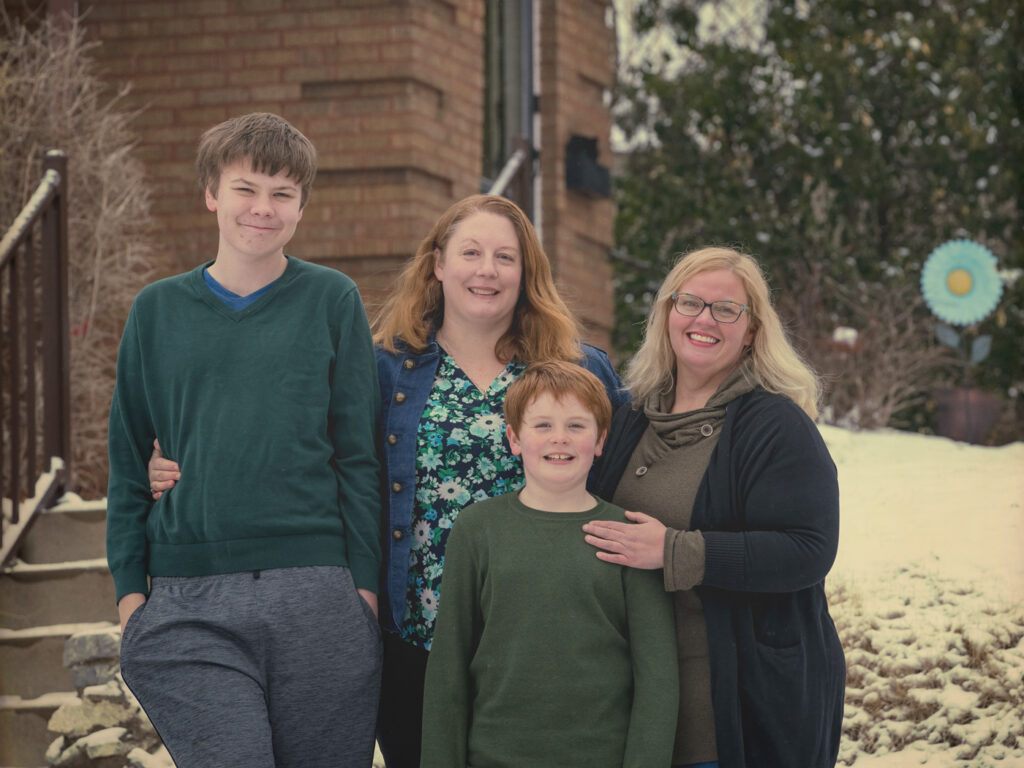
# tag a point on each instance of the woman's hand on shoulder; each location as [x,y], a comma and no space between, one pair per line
[163,473]
[640,544]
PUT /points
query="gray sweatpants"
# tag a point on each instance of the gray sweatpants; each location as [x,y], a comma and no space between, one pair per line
[264,669]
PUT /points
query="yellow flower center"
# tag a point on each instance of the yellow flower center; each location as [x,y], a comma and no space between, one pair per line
[959,282]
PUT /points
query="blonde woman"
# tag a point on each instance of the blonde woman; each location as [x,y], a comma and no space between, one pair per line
[739,505]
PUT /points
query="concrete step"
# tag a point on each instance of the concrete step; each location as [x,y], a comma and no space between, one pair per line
[31,660]
[23,734]
[35,595]
[58,585]
[71,530]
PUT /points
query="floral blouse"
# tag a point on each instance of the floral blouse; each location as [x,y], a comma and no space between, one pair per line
[462,456]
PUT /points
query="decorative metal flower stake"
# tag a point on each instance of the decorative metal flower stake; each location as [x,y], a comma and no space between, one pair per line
[961,285]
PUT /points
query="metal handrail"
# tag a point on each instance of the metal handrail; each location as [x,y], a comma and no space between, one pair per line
[507,172]
[38,324]
[48,188]
[515,180]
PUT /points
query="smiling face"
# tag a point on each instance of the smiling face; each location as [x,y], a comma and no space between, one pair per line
[256,213]
[480,271]
[706,350]
[558,440]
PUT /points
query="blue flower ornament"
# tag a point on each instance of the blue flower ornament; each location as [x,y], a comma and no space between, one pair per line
[960,282]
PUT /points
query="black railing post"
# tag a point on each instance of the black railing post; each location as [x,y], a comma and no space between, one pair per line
[27,354]
[14,377]
[56,319]
[29,396]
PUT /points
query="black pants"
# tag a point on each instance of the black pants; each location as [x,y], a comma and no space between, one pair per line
[400,718]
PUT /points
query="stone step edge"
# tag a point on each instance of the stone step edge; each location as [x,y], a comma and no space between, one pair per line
[46,702]
[14,636]
[70,503]
[19,568]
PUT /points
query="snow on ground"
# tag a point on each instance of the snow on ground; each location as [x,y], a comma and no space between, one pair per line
[928,595]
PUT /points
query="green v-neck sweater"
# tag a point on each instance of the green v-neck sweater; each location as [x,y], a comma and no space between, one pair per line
[270,412]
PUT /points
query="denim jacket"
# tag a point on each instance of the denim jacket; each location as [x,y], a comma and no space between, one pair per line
[405,383]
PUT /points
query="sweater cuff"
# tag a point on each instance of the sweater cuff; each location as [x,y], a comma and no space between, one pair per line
[365,573]
[128,579]
[684,559]
[725,564]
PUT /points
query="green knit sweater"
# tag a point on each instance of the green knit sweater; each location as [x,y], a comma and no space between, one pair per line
[270,412]
[543,654]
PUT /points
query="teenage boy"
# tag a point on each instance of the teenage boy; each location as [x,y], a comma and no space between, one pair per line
[247,593]
[544,655]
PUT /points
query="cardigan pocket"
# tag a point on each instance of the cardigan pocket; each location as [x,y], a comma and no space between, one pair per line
[776,621]
[776,705]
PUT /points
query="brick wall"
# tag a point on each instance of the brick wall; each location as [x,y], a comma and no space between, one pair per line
[391,94]
[577,60]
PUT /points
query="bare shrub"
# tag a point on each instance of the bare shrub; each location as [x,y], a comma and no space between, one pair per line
[52,98]
[891,364]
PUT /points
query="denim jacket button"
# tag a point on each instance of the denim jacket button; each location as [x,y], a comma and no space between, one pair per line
[396,487]
[397,535]
[408,365]
[400,397]
[392,439]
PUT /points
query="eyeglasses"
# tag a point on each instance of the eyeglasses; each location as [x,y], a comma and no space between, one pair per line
[723,311]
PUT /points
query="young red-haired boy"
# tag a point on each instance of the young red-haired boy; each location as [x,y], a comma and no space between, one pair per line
[543,654]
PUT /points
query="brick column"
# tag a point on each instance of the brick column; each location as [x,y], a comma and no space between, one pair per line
[390,92]
[577,60]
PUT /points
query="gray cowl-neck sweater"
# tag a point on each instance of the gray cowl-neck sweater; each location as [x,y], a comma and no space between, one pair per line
[661,479]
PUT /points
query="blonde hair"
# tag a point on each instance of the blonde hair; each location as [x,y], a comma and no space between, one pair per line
[559,379]
[542,327]
[775,364]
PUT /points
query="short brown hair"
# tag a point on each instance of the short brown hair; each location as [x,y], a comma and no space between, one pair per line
[559,379]
[269,142]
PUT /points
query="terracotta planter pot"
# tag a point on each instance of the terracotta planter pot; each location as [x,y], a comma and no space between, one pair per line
[966,414]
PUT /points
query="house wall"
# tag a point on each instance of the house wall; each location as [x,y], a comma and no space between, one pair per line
[391,94]
[577,59]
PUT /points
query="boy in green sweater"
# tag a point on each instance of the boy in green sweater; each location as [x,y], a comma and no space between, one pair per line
[247,593]
[543,654]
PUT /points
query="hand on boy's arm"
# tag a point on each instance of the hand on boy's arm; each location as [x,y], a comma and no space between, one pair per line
[128,605]
[163,473]
[640,544]
[370,598]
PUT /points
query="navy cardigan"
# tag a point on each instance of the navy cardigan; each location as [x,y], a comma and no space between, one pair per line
[768,507]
